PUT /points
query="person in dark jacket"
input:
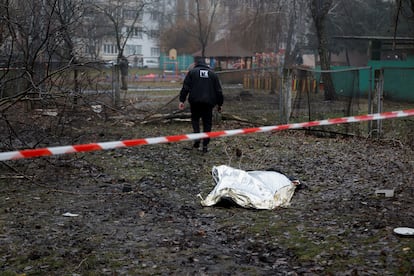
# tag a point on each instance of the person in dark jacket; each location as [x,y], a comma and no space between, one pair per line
[203,88]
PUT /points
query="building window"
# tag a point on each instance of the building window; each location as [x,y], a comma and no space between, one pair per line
[110,49]
[90,49]
[136,32]
[133,50]
[154,34]
[155,15]
[155,52]
[131,15]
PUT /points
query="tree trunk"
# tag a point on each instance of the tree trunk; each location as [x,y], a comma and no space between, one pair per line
[123,66]
[117,95]
[319,11]
[75,86]
[289,55]
[329,88]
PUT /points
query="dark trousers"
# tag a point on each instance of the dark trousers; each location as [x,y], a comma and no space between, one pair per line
[205,113]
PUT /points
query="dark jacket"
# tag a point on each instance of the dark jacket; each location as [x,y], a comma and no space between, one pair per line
[203,86]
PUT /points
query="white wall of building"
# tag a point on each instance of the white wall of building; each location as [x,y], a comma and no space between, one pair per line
[143,44]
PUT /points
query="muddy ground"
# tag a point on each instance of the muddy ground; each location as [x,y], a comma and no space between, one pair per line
[136,211]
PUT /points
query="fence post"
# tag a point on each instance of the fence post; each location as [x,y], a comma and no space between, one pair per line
[379,90]
[286,96]
[370,100]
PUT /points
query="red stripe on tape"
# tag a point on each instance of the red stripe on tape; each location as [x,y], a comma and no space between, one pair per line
[87,147]
[135,142]
[35,152]
[177,138]
[311,124]
[282,127]
[338,121]
[216,134]
[251,130]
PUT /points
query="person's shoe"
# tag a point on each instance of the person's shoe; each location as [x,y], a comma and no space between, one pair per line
[196,145]
[205,149]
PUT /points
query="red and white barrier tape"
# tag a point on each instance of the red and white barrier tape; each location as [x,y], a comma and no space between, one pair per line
[30,153]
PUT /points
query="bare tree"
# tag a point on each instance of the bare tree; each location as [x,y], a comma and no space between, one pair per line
[404,8]
[205,15]
[124,16]
[30,31]
[68,16]
[3,22]
[192,26]
[405,5]
[258,25]
[320,10]
[178,35]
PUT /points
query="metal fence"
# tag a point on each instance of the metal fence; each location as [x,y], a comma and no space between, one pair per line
[298,95]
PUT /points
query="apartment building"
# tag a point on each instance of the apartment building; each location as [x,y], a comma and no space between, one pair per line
[142,33]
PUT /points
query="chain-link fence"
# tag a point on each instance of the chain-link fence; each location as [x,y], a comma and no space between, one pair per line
[299,95]
[393,90]
[310,99]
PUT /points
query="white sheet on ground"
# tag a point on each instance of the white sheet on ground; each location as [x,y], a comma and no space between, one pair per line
[250,189]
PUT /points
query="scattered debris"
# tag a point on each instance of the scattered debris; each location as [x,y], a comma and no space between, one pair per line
[179,116]
[404,231]
[97,108]
[47,112]
[385,192]
[67,214]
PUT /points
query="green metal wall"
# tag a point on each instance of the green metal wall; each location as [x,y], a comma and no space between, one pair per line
[398,78]
[349,83]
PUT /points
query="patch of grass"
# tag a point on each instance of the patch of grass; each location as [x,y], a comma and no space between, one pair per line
[405,258]
[122,166]
[335,254]
[94,264]
[8,273]
[324,247]
[35,267]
